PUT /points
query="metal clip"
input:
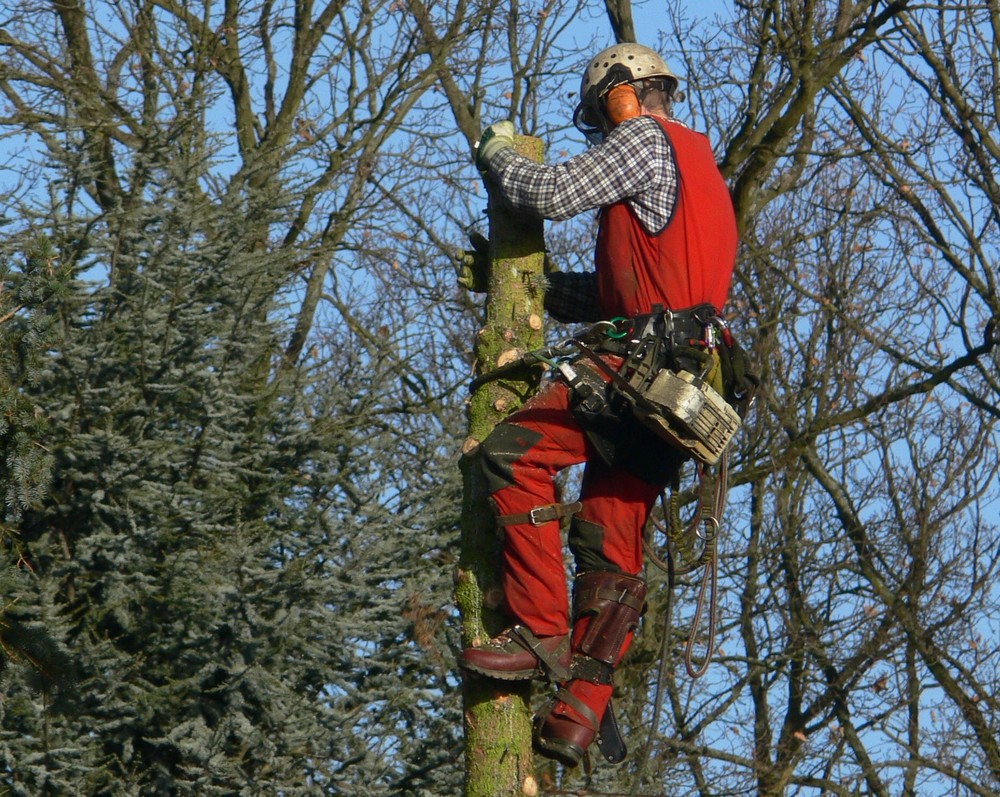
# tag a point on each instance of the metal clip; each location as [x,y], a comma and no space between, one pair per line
[709,535]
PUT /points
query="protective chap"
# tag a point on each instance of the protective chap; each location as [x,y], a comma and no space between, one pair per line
[607,607]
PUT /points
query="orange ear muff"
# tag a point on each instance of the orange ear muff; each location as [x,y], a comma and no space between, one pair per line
[621,103]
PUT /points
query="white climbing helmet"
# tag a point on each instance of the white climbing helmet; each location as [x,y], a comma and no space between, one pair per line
[620,63]
[623,63]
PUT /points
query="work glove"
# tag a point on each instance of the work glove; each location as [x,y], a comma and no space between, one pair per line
[474,264]
[495,138]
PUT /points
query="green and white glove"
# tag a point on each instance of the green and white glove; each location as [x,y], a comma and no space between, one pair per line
[496,137]
[474,264]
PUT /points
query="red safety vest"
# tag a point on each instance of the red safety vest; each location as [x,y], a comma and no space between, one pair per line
[690,261]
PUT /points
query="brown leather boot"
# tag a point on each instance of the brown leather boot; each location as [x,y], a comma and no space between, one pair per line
[607,607]
[517,654]
[566,730]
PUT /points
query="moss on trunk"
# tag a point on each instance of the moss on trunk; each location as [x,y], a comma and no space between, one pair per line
[499,761]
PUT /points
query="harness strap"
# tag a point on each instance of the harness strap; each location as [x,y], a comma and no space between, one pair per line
[581,708]
[587,668]
[541,514]
[554,670]
[615,596]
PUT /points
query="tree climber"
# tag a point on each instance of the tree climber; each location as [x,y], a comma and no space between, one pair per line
[665,252]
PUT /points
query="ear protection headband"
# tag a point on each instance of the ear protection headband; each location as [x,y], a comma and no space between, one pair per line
[605,109]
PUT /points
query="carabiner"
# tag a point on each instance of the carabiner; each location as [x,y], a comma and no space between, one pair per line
[614,323]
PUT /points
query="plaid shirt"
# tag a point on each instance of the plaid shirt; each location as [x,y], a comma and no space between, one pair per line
[634,163]
[571,296]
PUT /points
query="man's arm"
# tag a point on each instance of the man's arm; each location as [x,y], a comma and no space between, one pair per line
[571,297]
[634,163]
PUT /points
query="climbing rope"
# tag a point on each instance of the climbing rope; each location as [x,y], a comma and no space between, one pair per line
[679,535]
[705,525]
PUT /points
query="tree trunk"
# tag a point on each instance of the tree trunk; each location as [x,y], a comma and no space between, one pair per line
[498,713]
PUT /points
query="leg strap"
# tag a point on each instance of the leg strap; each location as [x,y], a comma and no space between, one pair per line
[550,661]
[541,514]
[581,708]
[590,669]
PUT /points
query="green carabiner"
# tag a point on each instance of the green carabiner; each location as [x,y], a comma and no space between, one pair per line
[618,335]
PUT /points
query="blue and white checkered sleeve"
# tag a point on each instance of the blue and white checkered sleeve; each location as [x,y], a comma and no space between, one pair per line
[633,161]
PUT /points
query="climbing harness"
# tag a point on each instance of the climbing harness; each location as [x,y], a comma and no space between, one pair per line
[664,393]
[673,375]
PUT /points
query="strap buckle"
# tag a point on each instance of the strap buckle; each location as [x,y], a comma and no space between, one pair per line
[540,515]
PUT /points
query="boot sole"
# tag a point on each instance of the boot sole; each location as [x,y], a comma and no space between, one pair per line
[565,753]
[503,675]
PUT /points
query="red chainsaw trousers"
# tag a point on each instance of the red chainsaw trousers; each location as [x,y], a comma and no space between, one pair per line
[521,458]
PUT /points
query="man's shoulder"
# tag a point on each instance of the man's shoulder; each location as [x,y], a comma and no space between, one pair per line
[675,124]
[644,123]
[642,130]
[650,125]
[681,134]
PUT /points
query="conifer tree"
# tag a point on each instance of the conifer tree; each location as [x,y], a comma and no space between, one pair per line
[243,560]
[225,637]
[31,286]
